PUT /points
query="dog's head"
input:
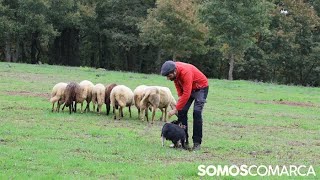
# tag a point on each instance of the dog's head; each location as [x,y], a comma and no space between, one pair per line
[179,123]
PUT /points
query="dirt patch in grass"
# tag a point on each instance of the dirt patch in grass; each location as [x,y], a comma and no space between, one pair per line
[283,102]
[16,108]
[296,143]
[28,94]
[289,103]
[28,77]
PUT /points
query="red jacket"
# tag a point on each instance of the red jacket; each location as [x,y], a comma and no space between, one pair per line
[188,78]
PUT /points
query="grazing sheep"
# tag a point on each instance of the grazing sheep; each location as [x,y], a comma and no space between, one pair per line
[158,97]
[109,87]
[175,133]
[87,93]
[98,96]
[123,96]
[57,95]
[137,96]
[73,94]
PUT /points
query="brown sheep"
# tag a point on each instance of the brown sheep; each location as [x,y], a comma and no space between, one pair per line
[73,94]
[109,88]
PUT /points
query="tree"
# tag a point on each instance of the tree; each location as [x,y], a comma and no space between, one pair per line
[26,31]
[292,44]
[235,26]
[113,41]
[174,26]
[67,16]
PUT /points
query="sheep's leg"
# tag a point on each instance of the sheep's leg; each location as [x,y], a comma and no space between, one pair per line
[58,106]
[75,107]
[130,111]
[81,107]
[88,106]
[146,114]
[52,107]
[120,112]
[99,108]
[108,109]
[141,113]
[63,106]
[153,114]
[114,113]
[165,114]
[161,118]
[94,106]
[70,108]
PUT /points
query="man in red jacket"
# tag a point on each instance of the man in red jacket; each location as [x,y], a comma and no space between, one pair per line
[192,85]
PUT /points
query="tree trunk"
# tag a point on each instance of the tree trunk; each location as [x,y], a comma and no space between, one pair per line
[7,49]
[16,52]
[34,48]
[231,66]
[66,49]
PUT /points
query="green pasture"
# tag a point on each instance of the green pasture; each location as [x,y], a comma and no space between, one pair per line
[245,122]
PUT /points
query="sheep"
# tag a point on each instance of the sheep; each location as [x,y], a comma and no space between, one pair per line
[87,93]
[137,95]
[174,132]
[109,87]
[98,96]
[73,94]
[123,96]
[57,95]
[157,97]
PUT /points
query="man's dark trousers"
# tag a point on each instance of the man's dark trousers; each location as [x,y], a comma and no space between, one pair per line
[199,97]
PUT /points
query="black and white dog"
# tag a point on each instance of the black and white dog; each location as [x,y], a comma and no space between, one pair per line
[174,132]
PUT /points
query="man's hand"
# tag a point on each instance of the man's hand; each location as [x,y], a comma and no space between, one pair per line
[172,112]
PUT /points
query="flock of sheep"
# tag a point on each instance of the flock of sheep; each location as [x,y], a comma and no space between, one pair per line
[118,96]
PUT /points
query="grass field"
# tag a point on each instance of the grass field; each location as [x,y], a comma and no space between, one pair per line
[244,123]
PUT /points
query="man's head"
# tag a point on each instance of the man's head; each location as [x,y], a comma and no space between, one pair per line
[169,69]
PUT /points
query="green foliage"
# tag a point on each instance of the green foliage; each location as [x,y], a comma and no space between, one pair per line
[225,39]
[291,44]
[235,24]
[175,27]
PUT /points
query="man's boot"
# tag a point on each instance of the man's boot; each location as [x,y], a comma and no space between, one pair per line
[196,146]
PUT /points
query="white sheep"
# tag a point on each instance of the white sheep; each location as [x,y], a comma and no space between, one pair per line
[87,93]
[57,95]
[137,96]
[121,96]
[157,97]
[98,96]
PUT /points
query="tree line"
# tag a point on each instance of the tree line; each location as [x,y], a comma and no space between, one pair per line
[261,40]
